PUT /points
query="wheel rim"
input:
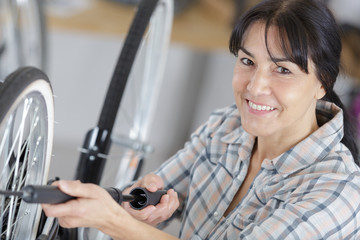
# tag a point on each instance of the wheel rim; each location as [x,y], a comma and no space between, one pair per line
[142,91]
[25,148]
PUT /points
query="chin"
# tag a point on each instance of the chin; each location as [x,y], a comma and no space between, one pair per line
[257,131]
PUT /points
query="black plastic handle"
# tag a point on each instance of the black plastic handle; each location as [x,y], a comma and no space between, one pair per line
[44,194]
[53,195]
[139,197]
[145,198]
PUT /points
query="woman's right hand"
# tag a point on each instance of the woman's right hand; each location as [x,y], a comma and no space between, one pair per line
[153,215]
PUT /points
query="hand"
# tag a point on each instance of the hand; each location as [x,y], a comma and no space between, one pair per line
[153,215]
[93,207]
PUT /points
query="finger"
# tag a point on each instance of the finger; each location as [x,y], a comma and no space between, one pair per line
[161,212]
[153,182]
[173,201]
[142,214]
[166,208]
[78,189]
[58,210]
[66,222]
[71,222]
[164,200]
[162,208]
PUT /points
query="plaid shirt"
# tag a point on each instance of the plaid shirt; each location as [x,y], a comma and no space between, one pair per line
[312,191]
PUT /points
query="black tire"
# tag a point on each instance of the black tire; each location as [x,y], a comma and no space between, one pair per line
[26,110]
[125,63]
[15,84]
[90,166]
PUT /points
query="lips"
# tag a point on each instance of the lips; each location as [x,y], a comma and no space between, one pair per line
[259,107]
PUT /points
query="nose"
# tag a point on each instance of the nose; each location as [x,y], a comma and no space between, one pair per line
[259,83]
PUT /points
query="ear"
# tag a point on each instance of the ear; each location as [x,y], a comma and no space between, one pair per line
[320,93]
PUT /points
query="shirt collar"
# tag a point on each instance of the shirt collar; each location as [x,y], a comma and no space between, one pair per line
[318,145]
[310,150]
[237,136]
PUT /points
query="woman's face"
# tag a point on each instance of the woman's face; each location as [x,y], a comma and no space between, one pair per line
[274,98]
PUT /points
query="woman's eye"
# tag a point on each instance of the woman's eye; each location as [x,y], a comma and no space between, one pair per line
[247,62]
[283,70]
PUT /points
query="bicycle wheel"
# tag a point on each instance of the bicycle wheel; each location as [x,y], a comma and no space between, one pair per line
[141,97]
[26,130]
[135,82]
[22,35]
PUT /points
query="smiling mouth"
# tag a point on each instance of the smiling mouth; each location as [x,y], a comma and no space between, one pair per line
[260,107]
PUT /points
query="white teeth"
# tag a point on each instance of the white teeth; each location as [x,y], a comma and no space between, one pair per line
[260,107]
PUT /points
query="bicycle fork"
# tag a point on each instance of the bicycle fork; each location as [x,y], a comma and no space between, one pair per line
[93,155]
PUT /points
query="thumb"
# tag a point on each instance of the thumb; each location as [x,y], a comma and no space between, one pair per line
[153,182]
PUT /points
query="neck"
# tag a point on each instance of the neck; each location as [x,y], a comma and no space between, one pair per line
[273,146]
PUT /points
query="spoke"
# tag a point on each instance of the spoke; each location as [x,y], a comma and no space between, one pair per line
[10,229]
[4,211]
[134,87]
[27,104]
[26,212]
[26,163]
[17,136]
[18,174]
[26,132]
[31,163]
[6,134]
[10,216]
[127,117]
[6,208]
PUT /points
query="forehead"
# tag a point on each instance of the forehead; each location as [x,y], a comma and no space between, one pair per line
[257,36]
[259,41]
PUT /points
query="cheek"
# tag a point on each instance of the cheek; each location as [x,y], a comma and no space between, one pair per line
[235,83]
[239,81]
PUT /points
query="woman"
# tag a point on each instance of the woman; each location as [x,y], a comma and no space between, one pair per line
[277,164]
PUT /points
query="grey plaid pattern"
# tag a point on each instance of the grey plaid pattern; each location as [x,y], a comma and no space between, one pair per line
[311,191]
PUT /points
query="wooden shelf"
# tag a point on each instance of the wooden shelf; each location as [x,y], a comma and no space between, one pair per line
[205,24]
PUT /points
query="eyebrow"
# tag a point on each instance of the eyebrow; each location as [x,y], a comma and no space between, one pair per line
[274,59]
[246,51]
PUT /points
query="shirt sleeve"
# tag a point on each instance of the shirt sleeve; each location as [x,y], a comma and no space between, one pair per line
[175,171]
[329,211]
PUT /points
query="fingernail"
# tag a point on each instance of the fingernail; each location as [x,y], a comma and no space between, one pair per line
[152,185]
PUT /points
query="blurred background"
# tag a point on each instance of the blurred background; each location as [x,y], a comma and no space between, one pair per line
[84,39]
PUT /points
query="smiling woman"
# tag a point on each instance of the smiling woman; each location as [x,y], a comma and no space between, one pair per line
[278,164]
[305,41]
[275,97]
